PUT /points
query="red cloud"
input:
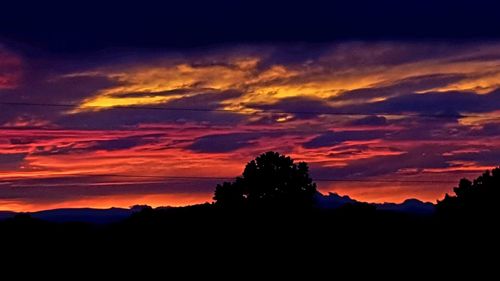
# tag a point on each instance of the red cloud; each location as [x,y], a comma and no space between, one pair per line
[10,69]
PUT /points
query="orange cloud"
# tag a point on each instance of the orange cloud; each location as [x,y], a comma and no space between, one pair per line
[174,79]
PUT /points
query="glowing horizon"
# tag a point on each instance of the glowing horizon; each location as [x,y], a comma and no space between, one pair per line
[252,99]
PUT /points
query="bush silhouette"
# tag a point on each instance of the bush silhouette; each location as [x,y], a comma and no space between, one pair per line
[271,180]
[479,197]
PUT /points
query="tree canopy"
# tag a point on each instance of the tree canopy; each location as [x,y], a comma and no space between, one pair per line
[270,180]
[474,197]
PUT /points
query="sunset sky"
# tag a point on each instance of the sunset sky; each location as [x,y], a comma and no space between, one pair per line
[123,124]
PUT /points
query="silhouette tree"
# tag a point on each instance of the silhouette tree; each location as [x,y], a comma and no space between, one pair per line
[479,197]
[271,180]
[230,194]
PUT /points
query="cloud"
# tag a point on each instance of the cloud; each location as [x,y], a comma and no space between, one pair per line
[87,146]
[484,157]
[488,129]
[405,86]
[336,138]
[117,118]
[433,103]
[44,87]
[370,121]
[205,100]
[197,107]
[175,92]
[10,69]
[98,192]
[418,158]
[11,161]
[386,54]
[224,142]
[300,107]
[63,188]
[117,144]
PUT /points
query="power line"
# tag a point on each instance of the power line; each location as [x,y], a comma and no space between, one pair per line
[231,178]
[235,111]
[262,111]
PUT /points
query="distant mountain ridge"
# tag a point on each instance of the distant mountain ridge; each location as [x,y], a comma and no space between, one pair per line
[333,200]
[84,215]
[87,215]
[111,215]
[6,214]
[412,206]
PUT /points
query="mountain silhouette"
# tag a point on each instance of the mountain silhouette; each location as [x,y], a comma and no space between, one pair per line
[411,206]
[332,200]
[6,214]
[84,215]
[87,215]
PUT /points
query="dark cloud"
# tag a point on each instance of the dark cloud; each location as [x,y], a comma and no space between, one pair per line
[335,138]
[58,150]
[155,94]
[117,144]
[448,103]
[294,55]
[46,82]
[379,54]
[59,189]
[476,58]
[418,158]
[205,100]
[115,118]
[11,161]
[21,141]
[485,157]
[421,133]
[370,121]
[344,150]
[88,146]
[489,129]
[301,107]
[224,142]
[402,87]
[432,107]
[10,69]
[44,86]
[196,108]
[429,129]
[266,119]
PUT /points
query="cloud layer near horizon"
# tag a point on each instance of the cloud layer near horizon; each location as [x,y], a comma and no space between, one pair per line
[432,112]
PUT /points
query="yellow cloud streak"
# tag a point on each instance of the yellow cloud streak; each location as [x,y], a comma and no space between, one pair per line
[275,82]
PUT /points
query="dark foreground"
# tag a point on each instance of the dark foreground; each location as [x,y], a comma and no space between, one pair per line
[204,235]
